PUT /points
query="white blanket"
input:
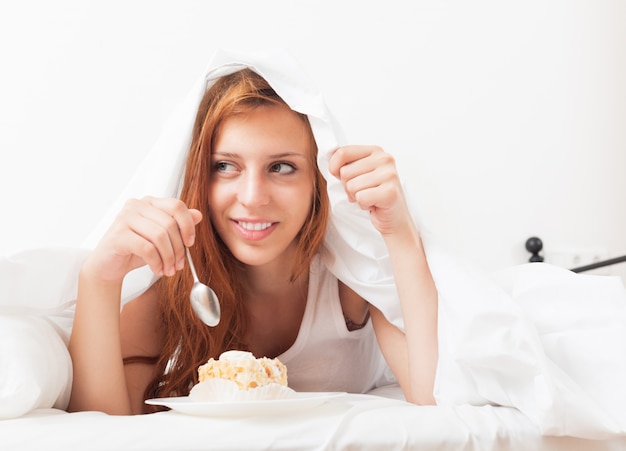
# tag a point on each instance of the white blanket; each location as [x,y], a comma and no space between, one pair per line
[498,345]
[353,422]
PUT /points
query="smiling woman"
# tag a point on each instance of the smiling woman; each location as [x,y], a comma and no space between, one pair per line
[254,209]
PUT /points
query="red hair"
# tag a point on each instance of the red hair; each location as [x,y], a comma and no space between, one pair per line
[187,342]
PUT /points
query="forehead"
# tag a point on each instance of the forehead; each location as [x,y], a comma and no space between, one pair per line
[269,127]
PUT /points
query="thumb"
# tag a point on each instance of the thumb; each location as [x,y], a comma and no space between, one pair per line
[196,215]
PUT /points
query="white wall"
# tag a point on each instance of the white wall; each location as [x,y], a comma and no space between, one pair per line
[509,118]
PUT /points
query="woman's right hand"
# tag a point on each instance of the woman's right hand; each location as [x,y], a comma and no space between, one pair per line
[150,231]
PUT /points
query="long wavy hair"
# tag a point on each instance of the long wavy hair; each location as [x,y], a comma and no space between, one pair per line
[187,342]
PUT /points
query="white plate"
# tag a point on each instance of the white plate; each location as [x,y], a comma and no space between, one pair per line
[302,400]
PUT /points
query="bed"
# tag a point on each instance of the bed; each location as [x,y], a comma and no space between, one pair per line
[349,422]
[33,357]
[509,376]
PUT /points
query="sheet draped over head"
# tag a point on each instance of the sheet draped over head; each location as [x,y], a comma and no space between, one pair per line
[491,348]
[354,251]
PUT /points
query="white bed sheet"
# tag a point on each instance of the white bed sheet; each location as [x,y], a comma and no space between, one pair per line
[350,422]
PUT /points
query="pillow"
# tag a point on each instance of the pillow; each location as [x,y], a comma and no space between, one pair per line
[35,365]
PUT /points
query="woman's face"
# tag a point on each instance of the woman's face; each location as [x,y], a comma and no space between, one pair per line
[261,184]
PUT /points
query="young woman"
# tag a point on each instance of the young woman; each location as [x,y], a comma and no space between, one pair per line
[254,213]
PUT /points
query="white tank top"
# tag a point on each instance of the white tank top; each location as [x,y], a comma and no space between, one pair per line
[326,356]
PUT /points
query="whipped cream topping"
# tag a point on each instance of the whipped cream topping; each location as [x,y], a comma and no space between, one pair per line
[244,369]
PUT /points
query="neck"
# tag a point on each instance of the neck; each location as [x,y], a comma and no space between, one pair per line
[270,278]
[272,282]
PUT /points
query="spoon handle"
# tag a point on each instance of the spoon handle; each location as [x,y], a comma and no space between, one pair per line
[191,265]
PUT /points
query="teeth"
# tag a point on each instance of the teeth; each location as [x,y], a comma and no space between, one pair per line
[255,225]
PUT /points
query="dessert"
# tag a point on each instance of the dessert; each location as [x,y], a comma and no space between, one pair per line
[244,369]
[239,376]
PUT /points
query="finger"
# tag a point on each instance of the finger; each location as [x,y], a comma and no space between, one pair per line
[188,230]
[368,173]
[346,162]
[196,214]
[160,236]
[374,160]
[172,224]
[130,239]
[345,155]
[146,251]
[186,218]
[369,176]
[382,196]
[149,219]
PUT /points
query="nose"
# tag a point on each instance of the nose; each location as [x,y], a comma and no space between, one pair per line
[253,189]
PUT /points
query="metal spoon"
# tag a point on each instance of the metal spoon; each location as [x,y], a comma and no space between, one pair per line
[204,301]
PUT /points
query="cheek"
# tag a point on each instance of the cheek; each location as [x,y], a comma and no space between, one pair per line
[218,191]
[216,205]
[301,203]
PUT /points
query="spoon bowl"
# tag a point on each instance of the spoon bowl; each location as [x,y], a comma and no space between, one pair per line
[203,299]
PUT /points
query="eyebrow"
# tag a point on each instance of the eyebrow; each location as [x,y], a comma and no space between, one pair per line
[273,156]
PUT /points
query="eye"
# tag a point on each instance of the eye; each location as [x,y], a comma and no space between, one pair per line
[283,168]
[223,166]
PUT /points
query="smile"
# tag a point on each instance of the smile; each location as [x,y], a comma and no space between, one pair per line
[254,226]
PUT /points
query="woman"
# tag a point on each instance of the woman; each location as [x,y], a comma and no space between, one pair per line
[254,212]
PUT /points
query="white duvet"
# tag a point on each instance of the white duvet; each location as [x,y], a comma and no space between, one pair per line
[536,338]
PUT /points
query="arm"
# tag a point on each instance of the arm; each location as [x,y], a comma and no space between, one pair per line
[141,344]
[150,231]
[95,347]
[411,355]
[370,178]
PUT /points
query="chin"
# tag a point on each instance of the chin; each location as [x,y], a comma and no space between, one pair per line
[257,258]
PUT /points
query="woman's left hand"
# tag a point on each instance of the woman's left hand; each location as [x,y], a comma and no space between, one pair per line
[370,178]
